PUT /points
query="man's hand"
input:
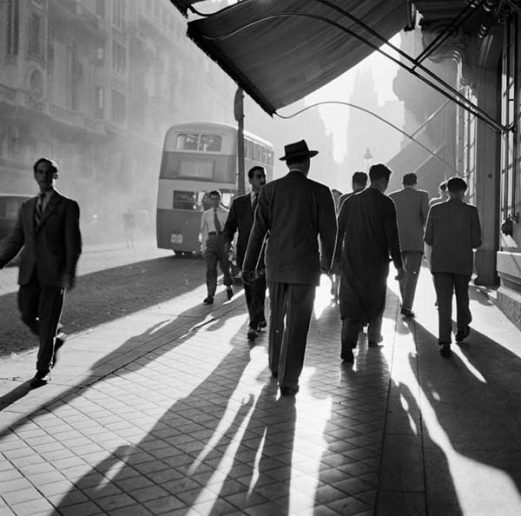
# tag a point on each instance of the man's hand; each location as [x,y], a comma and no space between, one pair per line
[400,274]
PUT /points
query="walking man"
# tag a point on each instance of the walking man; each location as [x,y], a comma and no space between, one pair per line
[296,212]
[367,235]
[412,208]
[240,219]
[443,194]
[453,231]
[48,233]
[358,183]
[212,246]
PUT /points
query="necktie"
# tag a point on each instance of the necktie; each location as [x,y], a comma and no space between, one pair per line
[254,201]
[39,210]
[216,221]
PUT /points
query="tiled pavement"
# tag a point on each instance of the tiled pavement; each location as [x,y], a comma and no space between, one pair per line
[170,411]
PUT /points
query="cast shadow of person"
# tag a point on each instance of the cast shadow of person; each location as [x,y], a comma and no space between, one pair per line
[135,353]
[198,451]
[476,401]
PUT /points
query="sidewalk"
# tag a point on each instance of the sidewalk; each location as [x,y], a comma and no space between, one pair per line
[171,411]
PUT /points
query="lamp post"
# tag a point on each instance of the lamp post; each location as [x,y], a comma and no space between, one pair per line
[238,111]
[368,157]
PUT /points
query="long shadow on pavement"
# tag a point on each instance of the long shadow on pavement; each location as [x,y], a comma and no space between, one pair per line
[476,406]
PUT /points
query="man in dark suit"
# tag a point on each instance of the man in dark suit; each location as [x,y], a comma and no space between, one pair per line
[47,231]
[453,231]
[358,183]
[240,218]
[296,211]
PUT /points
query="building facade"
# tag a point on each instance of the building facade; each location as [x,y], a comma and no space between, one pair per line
[94,84]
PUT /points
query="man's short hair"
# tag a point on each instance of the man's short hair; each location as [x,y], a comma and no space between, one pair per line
[295,161]
[253,169]
[50,162]
[456,184]
[379,171]
[360,178]
[410,179]
[214,193]
[443,186]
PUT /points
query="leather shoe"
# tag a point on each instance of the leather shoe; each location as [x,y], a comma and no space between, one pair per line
[347,355]
[461,335]
[407,312]
[274,374]
[288,391]
[445,350]
[372,344]
[40,379]
[252,334]
[229,293]
[208,300]
[262,324]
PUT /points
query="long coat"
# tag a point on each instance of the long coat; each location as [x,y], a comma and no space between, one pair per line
[367,236]
[53,248]
[297,212]
[240,218]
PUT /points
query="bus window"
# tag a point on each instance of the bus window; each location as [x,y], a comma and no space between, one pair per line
[196,169]
[210,143]
[185,200]
[263,155]
[187,141]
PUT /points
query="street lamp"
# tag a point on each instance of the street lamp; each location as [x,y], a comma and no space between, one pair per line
[368,157]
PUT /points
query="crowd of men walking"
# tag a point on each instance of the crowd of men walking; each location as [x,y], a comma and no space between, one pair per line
[290,231]
[287,232]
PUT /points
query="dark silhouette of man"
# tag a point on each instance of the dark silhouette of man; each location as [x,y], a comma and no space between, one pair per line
[358,183]
[240,219]
[296,212]
[48,233]
[453,231]
[367,235]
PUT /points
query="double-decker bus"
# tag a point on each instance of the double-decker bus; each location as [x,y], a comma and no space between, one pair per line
[197,158]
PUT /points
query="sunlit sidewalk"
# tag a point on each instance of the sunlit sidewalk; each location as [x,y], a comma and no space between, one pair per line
[171,411]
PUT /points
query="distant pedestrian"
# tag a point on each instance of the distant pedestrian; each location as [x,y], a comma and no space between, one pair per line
[453,231]
[48,233]
[367,236]
[296,212]
[129,224]
[358,183]
[412,208]
[212,246]
[443,194]
[240,219]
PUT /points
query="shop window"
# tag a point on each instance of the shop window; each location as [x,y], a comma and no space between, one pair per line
[118,107]
[13,27]
[35,35]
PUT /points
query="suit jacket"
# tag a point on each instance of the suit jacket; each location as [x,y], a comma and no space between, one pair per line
[453,230]
[296,211]
[240,218]
[53,248]
[412,208]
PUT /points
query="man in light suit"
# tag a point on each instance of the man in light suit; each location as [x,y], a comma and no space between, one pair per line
[453,231]
[240,219]
[412,208]
[47,231]
[296,212]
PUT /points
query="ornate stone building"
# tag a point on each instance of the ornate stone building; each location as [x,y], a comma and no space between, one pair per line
[94,84]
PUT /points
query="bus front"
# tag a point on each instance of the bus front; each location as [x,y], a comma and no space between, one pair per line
[195,160]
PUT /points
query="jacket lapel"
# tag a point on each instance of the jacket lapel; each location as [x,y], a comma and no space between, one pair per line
[53,203]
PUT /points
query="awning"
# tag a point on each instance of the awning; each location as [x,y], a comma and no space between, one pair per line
[279,51]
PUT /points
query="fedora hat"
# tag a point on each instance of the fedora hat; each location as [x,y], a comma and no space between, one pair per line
[297,150]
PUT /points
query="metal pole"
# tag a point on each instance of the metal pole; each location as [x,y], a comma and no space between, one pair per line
[239,117]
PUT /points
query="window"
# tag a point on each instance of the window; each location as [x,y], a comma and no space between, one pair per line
[118,13]
[195,169]
[35,35]
[187,141]
[119,57]
[100,8]
[13,26]
[210,143]
[118,107]
[186,201]
[99,102]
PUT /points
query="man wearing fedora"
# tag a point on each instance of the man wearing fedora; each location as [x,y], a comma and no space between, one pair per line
[295,211]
